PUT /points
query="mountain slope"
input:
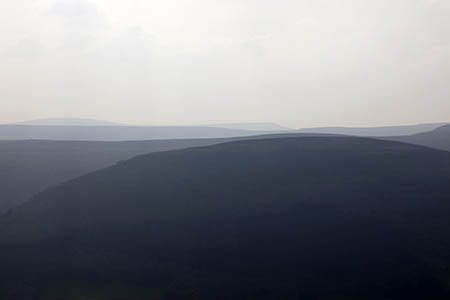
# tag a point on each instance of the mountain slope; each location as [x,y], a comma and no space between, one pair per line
[438,138]
[311,216]
[375,131]
[29,167]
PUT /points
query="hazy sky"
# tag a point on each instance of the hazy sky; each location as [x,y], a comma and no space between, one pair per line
[295,62]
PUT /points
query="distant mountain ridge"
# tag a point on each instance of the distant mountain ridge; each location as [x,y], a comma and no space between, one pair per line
[255,126]
[116,133]
[438,138]
[376,131]
[67,122]
[113,132]
[262,126]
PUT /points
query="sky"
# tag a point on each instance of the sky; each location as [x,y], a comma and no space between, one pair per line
[298,63]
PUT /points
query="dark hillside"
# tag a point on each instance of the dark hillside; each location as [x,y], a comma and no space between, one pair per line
[307,217]
[28,167]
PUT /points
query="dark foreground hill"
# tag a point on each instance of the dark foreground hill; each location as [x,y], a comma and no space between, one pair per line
[29,167]
[290,218]
[438,138]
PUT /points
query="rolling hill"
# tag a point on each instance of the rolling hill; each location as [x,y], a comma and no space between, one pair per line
[28,167]
[286,218]
[375,131]
[93,130]
[438,138]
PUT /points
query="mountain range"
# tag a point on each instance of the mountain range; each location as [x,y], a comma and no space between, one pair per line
[252,126]
[317,217]
[115,133]
[95,130]
[282,215]
[258,126]
[66,122]
[381,131]
[31,166]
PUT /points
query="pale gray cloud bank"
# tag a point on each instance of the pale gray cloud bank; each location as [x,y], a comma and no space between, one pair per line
[299,63]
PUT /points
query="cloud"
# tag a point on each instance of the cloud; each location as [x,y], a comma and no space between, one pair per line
[78,14]
[74,8]
[217,55]
[257,43]
[308,22]
[78,25]
[27,48]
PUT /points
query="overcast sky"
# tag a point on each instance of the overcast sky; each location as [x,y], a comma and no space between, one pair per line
[295,62]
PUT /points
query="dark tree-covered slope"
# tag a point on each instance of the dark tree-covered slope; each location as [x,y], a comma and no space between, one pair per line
[288,218]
